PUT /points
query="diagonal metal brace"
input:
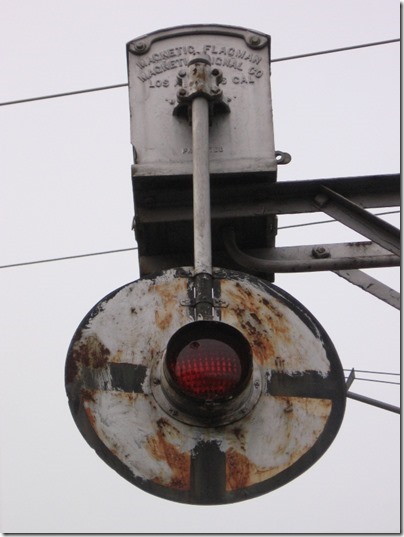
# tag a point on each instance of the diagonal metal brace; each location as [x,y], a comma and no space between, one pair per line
[371,285]
[357,218]
[373,402]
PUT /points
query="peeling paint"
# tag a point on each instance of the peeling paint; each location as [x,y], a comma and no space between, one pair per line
[109,374]
[281,340]
[179,462]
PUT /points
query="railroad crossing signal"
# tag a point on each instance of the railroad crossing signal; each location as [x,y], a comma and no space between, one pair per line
[201,384]
[205,412]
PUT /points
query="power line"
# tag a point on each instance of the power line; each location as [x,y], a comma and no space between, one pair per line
[66,258]
[66,94]
[332,51]
[329,221]
[379,381]
[373,372]
[25,263]
[287,58]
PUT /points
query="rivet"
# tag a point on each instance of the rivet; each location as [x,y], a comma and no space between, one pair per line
[255,40]
[140,46]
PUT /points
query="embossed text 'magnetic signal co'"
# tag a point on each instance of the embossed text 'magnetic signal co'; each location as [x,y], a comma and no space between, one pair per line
[242,141]
[178,57]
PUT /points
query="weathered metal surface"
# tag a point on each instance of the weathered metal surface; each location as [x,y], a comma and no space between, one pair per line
[372,286]
[295,418]
[241,141]
[354,216]
[201,186]
[310,258]
[159,210]
[240,147]
[286,197]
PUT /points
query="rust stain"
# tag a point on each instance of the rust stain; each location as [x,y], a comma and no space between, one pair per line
[256,318]
[117,357]
[89,353]
[168,295]
[90,417]
[239,470]
[279,364]
[260,319]
[243,291]
[161,449]
[87,395]
[240,435]
[289,407]
[163,319]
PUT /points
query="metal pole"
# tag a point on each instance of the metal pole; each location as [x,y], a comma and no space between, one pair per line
[374,402]
[201,186]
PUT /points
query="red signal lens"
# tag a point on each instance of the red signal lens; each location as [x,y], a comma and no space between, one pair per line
[207,368]
[208,360]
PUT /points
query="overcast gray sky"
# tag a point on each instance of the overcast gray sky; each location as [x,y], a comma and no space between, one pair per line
[65,189]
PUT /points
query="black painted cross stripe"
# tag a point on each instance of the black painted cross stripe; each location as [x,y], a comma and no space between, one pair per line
[127,377]
[124,378]
[307,384]
[208,473]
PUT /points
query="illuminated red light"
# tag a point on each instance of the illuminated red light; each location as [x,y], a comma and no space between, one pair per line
[208,360]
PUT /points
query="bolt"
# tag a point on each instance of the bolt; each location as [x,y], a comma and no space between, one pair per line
[320,252]
[182,73]
[156,382]
[256,384]
[255,40]
[182,92]
[140,46]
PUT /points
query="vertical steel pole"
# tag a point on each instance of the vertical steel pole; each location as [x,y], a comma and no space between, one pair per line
[201,186]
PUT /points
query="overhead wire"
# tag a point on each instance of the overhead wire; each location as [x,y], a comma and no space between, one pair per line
[330,221]
[373,372]
[286,58]
[116,86]
[65,258]
[379,381]
[332,51]
[65,94]
[368,372]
